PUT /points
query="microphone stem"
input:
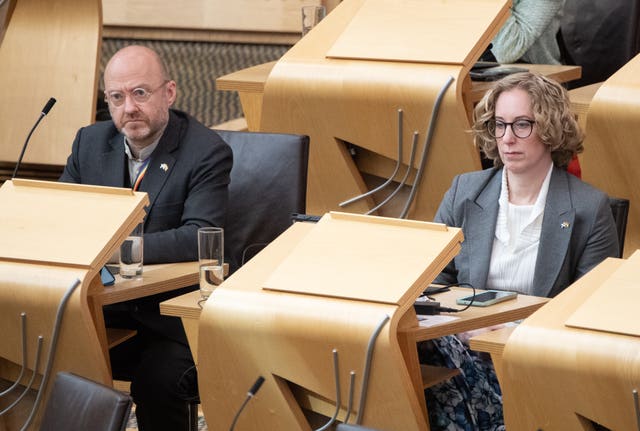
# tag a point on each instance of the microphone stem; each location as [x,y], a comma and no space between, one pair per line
[244,403]
[24,147]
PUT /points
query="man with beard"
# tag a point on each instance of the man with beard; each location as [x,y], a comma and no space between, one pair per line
[184,167]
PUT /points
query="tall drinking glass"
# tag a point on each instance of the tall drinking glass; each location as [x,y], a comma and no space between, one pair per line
[211,257]
[311,16]
[131,253]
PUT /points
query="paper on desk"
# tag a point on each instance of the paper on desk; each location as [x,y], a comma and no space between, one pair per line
[438,319]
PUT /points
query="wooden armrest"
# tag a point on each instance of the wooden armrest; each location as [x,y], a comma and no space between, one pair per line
[116,336]
[492,342]
[432,375]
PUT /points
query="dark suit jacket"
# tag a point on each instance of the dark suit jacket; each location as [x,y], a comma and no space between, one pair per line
[186,179]
[565,252]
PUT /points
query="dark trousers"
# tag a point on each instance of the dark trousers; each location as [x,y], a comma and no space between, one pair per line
[160,367]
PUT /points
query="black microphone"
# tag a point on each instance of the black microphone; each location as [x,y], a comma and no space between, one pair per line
[254,389]
[44,112]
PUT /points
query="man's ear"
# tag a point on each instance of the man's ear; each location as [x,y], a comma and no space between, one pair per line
[171,92]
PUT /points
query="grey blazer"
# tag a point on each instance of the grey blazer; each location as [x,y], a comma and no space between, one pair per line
[578,230]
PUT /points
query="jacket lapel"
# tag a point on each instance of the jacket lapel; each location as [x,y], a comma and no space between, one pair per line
[162,161]
[114,163]
[481,215]
[557,226]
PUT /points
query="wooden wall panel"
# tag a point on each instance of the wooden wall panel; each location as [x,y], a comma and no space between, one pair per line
[50,49]
[236,15]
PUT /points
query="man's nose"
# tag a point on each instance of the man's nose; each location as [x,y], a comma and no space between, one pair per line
[130,104]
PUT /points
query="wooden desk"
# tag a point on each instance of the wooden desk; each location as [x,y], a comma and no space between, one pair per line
[581,98]
[409,331]
[250,82]
[591,373]
[155,279]
[493,343]
[468,320]
[558,72]
[186,308]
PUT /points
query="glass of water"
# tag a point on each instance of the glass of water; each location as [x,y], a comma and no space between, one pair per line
[211,257]
[311,16]
[131,253]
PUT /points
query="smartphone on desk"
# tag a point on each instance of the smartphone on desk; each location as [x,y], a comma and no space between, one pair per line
[487,297]
[107,277]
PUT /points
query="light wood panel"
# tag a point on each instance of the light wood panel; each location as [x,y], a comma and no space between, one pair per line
[355,100]
[246,330]
[238,15]
[560,378]
[34,215]
[581,98]
[419,248]
[623,284]
[290,337]
[250,21]
[37,290]
[156,279]
[493,342]
[187,308]
[611,157]
[50,49]
[250,83]
[51,235]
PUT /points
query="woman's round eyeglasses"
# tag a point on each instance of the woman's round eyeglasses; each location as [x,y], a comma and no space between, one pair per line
[521,128]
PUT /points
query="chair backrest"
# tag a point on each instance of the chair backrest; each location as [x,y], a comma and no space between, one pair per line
[268,184]
[79,404]
[599,36]
[620,210]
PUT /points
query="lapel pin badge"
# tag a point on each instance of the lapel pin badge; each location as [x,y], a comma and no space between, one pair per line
[564,225]
[164,167]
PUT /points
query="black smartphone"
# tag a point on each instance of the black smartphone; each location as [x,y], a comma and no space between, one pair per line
[485,298]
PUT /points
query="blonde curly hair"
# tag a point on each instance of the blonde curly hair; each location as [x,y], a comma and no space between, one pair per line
[556,125]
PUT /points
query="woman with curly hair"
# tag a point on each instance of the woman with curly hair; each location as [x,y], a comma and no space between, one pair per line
[529,227]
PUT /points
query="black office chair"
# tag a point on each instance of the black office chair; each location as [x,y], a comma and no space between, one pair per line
[620,210]
[599,36]
[268,185]
[79,404]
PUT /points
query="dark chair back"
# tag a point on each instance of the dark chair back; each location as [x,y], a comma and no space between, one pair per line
[268,185]
[599,36]
[620,210]
[79,404]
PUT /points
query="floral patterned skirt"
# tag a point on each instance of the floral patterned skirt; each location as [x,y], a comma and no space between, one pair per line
[470,401]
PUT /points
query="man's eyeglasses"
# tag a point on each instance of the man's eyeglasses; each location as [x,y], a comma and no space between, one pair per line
[139,95]
[521,128]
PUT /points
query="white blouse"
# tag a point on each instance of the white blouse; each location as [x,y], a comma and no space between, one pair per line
[516,241]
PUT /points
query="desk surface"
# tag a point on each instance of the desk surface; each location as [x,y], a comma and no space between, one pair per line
[155,279]
[475,317]
[186,306]
[250,79]
[253,79]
